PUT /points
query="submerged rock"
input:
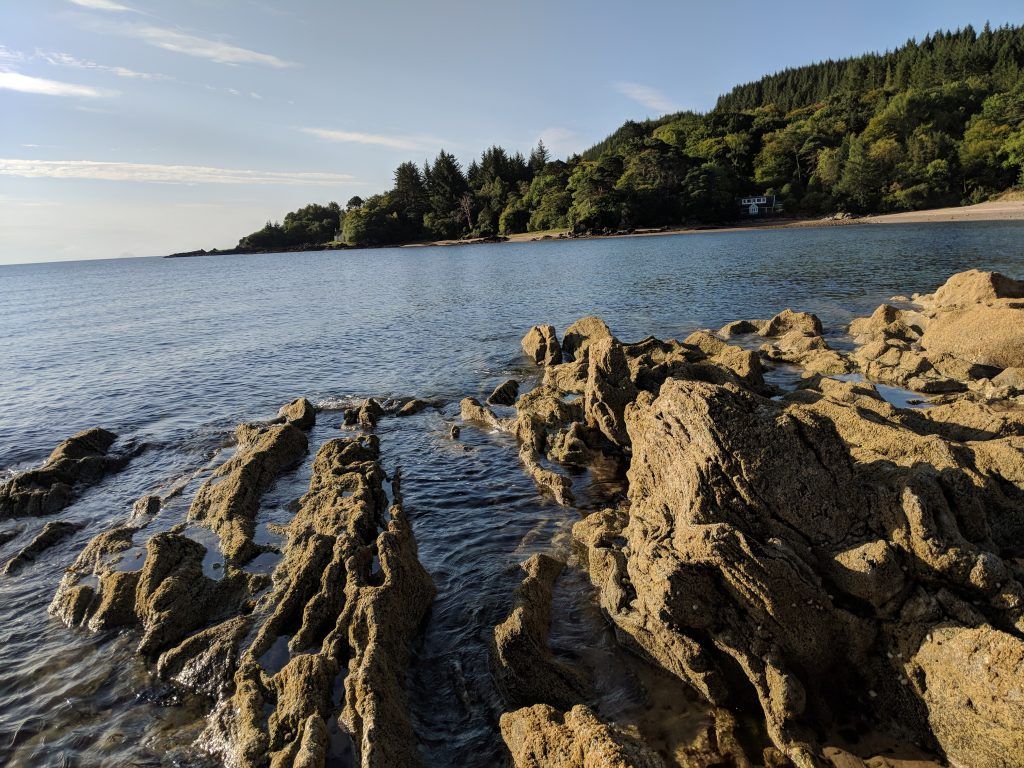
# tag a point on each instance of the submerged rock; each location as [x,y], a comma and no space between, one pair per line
[78,461]
[525,670]
[229,500]
[541,345]
[51,535]
[505,393]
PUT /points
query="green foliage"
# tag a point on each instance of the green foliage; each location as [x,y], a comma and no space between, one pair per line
[935,122]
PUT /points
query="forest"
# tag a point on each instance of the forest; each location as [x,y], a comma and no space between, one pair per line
[936,122]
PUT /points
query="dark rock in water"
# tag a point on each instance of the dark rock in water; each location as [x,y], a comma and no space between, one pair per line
[505,393]
[299,412]
[741,327]
[146,506]
[541,345]
[53,533]
[369,414]
[582,334]
[350,417]
[524,668]
[80,460]
[9,535]
[414,406]
[455,432]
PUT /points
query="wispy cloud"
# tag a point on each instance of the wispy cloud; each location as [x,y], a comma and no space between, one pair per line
[561,141]
[163,174]
[61,59]
[15,81]
[413,143]
[6,54]
[194,45]
[102,5]
[649,97]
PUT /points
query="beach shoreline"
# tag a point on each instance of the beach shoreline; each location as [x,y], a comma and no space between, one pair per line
[996,210]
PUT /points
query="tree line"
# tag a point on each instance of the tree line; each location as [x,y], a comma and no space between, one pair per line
[933,123]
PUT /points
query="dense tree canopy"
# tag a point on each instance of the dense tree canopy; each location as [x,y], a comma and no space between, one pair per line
[936,122]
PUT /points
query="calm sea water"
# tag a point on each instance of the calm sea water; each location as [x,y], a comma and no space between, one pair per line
[171,353]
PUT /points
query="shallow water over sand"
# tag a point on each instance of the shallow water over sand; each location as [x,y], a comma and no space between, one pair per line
[171,354]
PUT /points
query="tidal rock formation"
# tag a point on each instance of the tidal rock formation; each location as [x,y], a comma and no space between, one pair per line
[582,334]
[505,393]
[525,670]
[52,534]
[960,337]
[414,406]
[542,737]
[229,500]
[609,390]
[817,548]
[541,345]
[78,461]
[369,414]
[335,611]
[299,412]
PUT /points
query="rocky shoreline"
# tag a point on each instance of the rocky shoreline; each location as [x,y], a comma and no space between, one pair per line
[834,575]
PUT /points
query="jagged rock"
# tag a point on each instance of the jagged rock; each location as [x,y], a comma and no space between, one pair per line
[570,445]
[744,363]
[811,353]
[582,334]
[548,480]
[80,460]
[337,610]
[525,670]
[505,393]
[369,414]
[990,335]
[146,506]
[173,597]
[569,377]
[229,500]
[299,412]
[52,534]
[609,390]
[788,321]
[972,682]
[547,406]
[804,543]
[454,432]
[960,337]
[541,345]
[205,662]
[542,737]
[74,603]
[973,287]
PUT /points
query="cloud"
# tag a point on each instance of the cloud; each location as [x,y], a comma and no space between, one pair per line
[561,141]
[6,54]
[414,143]
[647,96]
[201,47]
[67,60]
[103,5]
[163,174]
[15,81]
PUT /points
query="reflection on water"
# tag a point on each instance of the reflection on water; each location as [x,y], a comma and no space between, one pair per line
[173,353]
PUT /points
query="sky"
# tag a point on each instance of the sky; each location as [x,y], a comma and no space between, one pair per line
[144,127]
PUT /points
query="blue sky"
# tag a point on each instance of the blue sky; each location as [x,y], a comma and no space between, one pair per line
[140,127]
